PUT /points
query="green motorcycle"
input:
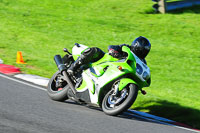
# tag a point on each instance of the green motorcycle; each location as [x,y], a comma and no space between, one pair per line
[109,83]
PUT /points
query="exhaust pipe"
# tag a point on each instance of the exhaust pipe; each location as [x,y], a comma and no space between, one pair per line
[62,68]
[59,63]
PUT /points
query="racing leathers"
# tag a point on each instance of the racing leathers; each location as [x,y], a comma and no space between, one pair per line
[93,54]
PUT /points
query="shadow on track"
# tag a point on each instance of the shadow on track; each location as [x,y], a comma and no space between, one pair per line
[173,111]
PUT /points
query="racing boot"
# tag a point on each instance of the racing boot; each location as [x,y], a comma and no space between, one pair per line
[75,66]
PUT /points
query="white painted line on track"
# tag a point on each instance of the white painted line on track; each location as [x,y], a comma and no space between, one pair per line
[186,129]
[22,82]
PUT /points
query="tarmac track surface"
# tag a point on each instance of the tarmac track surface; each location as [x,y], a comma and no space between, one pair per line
[26,108]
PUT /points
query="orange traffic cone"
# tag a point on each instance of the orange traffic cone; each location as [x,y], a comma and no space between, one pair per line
[20,58]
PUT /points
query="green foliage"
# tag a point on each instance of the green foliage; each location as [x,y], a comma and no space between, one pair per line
[41,29]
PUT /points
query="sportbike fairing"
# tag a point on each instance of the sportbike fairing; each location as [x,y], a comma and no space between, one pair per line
[106,70]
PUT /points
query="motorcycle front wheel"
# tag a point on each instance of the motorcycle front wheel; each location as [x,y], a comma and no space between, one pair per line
[115,105]
[57,88]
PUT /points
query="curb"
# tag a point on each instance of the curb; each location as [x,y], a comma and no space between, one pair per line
[12,70]
[34,79]
[38,80]
[9,69]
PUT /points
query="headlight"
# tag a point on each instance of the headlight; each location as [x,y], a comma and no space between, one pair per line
[139,69]
[145,76]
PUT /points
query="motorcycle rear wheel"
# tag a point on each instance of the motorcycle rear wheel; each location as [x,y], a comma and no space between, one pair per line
[122,102]
[57,93]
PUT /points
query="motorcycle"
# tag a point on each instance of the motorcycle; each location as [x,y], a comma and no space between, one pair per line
[109,83]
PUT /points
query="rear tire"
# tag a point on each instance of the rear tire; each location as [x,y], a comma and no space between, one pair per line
[131,93]
[57,93]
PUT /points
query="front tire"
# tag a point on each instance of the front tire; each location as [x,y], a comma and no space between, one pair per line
[121,103]
[57,92]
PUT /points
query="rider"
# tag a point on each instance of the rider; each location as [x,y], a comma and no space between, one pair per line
[140,46]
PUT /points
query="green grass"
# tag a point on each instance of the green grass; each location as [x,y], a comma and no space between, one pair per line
[41,29]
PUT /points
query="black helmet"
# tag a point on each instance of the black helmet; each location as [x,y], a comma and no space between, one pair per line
[141,47]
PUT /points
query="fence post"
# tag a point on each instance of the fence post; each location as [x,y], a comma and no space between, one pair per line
[160,6]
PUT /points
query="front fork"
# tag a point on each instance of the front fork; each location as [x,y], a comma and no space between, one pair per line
[62,68]
[116,88]
[120,85]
